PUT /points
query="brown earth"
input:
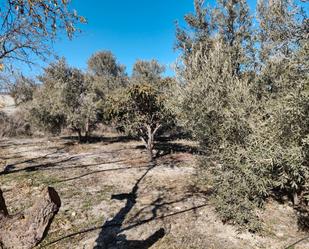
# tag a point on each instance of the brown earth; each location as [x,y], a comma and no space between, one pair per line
[113,198]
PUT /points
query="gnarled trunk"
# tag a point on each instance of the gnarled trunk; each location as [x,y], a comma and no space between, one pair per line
[149,144]
[26,230]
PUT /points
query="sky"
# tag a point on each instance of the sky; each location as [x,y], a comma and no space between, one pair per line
[131,29]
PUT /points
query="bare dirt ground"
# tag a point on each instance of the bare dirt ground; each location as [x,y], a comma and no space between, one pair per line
[112,197]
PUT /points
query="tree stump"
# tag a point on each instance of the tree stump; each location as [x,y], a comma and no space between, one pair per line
[26,230]
[3,209]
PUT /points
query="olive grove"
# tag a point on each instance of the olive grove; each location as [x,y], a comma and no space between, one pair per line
[241,90]
[245,99]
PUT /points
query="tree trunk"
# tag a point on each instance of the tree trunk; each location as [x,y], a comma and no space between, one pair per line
[24,231]
[150,150]
[87,131]
[80,137]
[86,137]
[295,199]
[149,144]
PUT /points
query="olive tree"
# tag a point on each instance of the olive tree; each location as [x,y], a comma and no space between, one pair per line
[218,106]
[105,75]
[141,108]
[104,63]
[249,113]
[147,71]
[140,111]
[284,78]
[65,100]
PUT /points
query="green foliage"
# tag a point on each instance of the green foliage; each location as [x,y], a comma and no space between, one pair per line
[104,63]
[45,113]
[105,76]
[140,109]
[240,189]
[143,106]
[64,100]
[250,116]
[147,71]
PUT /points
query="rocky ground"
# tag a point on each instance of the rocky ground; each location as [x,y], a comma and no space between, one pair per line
[112,197]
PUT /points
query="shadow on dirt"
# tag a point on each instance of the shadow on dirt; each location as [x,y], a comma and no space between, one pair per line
[167,148]
[111,232]
[58,159]
[11,168]
[164,144]
[136,224]
[101,139]
[96,172]
[110,236]
[8,144]
[303,218]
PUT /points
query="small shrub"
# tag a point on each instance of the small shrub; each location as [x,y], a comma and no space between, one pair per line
[14,125]
[22,90]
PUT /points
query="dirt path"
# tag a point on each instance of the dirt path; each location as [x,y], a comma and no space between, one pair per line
[113,198]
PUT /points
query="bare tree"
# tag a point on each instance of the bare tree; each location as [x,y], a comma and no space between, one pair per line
[27,28]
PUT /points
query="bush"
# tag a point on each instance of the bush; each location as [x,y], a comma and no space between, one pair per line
[14,125]
[140,110]
[253,121]
[64,100]
[22,90]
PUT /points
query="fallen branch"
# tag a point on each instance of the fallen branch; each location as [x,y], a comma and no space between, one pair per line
[26,230]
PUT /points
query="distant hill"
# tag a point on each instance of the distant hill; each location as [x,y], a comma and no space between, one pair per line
[7,103]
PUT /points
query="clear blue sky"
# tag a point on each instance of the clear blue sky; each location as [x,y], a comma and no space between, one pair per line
[131,29]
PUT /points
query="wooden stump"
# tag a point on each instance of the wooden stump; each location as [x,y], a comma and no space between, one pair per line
[26,230]
[3,209]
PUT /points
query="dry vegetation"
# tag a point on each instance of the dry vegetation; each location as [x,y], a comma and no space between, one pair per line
[111,195]
[215,157]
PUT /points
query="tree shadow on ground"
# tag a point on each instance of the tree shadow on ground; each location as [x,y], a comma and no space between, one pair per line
[131,226]
[111,232]
[5,144]
[96,172]
[302,209]
[174,136]
[166,148]
[19,154]
[11,168]
[55,160]
[110,235]
[101,139]
[303,218]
